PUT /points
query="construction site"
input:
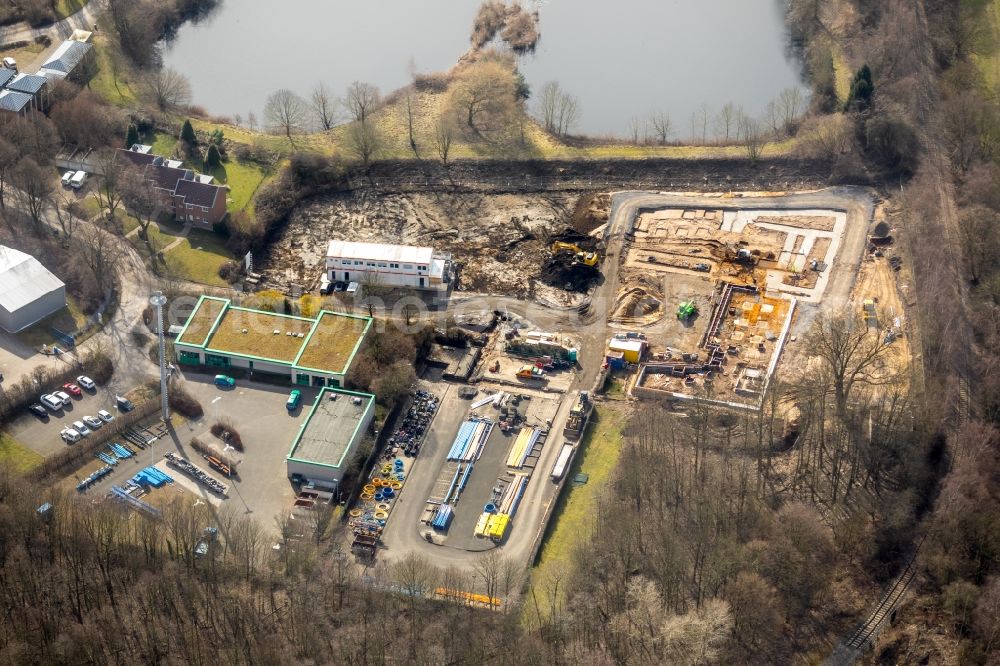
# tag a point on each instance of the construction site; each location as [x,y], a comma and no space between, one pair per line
[714,293]
[501,243]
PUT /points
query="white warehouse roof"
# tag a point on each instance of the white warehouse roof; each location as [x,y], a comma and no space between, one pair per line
[409,254]
[23,279]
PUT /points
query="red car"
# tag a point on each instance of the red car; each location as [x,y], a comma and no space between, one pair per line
[72,389]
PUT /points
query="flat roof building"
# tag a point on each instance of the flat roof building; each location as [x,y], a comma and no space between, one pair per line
[312,351]
[385,264]
[28,291]
[329,438]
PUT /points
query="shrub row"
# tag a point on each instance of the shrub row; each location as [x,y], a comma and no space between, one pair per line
[16,397]
[206,449]
[225,431]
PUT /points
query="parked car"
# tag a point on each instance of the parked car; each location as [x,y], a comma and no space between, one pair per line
[294,398]
[72,389]
[51,402]
[105,415]
[70,435]
[124,403]
[62,395]
[93,422]
[67,177]
[353,289]
[224,381]
[38,410]
[81,428]
[78,179]
[86,382]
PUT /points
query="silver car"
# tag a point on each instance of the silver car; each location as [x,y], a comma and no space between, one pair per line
[80,428]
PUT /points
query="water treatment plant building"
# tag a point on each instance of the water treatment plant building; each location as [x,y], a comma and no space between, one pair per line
[325,444]
[311,351]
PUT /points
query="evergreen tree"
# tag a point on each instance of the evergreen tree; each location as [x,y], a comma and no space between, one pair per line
[131,136]
[187,133]
[862,89]
[212,157]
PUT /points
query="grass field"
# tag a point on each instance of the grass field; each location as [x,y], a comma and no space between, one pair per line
[66,8]
[114,82]
[988,57]
[198,258]
[572,522]
[15,455]
[69,319]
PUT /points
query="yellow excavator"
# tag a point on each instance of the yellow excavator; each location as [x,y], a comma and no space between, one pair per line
[580,256]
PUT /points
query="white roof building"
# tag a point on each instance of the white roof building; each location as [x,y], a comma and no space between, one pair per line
[387,264]
[410,254]
[28,291]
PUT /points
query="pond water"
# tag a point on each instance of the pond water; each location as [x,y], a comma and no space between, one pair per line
[621,59]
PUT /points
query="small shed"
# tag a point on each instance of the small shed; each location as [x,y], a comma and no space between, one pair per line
[631,349]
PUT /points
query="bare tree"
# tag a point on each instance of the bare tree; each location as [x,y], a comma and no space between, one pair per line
[483,95]
[324,107]
[108,190]
[285,112]
[444,134]
[409,123]
[34,188]
[851,353]
[662,126]
[558,110]
[361,100]
[238,119]
[101,251]
[141,202]
[826,136]
[548,103]
[790,103]
[252,121]
[167,89]
[364,140]
[634,129]
[67,215]
[753,136]
[979,229]
[9,157]
[699,124]
[568,114]
[726,121]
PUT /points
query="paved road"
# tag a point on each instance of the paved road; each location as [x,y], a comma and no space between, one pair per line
[84,19]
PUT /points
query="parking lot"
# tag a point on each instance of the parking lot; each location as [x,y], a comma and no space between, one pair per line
[42,436]
[260,484]
[258,413]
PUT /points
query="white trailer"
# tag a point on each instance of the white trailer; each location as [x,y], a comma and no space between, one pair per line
[562,462]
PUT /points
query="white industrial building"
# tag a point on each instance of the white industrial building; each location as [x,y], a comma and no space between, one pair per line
[326,442]
[28,291]
[388,265]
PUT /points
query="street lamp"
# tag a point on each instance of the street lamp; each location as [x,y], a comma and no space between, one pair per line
[158,300]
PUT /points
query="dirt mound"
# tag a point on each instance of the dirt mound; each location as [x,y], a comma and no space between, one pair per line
[636,302]
[591,212]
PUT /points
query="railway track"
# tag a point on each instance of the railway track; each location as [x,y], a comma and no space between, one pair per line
[881,615]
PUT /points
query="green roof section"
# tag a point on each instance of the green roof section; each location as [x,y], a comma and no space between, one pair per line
[202,321]
[327,343]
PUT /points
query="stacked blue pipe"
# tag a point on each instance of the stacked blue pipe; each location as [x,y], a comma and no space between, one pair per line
[462,439]
[150,476]
[105,458]
[443,517]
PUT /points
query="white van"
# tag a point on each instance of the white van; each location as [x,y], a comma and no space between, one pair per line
[10,63]
[76,182]
[353,289]
[67,178]
[70,435]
